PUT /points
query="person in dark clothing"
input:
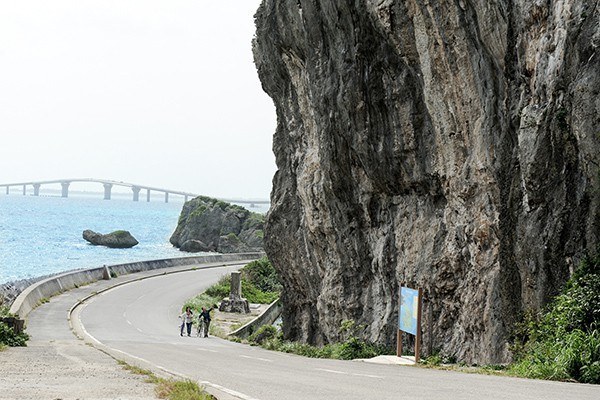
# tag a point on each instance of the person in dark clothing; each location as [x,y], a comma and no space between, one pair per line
[204,320]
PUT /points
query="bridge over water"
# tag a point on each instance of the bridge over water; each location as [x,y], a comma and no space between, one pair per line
[108,185]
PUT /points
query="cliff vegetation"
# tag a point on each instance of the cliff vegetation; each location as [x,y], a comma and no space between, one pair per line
[207,224]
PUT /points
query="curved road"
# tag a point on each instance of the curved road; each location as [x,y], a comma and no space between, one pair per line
[141,320]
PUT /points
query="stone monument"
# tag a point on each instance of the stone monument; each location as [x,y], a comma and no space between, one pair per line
[235,302]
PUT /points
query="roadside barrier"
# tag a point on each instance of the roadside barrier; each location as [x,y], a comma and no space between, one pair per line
[267,317]
[39,292]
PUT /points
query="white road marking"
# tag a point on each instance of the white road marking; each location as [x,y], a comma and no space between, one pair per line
[349,373]
[257,358]
[228,391]
[84,330]
[332,371]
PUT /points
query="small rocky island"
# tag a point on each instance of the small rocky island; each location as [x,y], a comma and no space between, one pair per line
[208,224]
[114,240]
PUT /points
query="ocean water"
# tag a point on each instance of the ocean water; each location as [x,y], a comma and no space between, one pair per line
[43,235]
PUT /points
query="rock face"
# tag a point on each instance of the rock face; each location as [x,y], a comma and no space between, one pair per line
[115,240]
[448,145]
[207,224]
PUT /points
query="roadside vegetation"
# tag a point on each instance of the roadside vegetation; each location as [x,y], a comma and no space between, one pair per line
[260,285]
[560,343]
[8,337]
[170,389]
[351,347]
[563,342]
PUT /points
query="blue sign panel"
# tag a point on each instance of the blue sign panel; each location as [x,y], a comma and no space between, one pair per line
[409,309]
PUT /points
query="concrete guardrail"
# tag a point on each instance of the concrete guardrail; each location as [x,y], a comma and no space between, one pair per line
[37,293]
[267,317]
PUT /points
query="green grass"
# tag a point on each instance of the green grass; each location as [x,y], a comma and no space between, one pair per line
[169,388]
[181,390]
[260,285]
[150,377]
[202,300]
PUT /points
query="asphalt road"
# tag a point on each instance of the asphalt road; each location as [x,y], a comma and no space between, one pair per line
[140,319]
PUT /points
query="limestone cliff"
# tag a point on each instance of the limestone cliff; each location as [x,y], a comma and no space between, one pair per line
[208,224]
[450,145]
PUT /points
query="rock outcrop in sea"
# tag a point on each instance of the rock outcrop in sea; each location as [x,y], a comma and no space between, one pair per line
[115,240]
[447,145]
[208,224]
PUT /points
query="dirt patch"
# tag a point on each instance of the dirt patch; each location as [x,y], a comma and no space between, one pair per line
[224,323]
[67,370]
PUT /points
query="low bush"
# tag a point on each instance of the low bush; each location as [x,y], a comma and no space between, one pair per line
[8,337]
[349,349]
[262,334]
[563,343]
[262,274]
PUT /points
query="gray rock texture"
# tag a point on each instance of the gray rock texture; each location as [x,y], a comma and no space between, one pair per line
[115,240]
[208,224]
[448,145]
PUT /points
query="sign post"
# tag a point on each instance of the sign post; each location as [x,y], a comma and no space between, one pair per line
[409,318]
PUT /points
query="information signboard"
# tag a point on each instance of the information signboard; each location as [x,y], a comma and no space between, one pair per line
[409,310]
[409,318]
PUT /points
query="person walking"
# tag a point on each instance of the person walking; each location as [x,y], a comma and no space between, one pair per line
[187,318]
[204,320]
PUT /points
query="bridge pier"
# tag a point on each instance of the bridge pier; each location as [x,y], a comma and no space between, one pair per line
[24,190]
[65,189]
[136,193]
[148,195]
[8,190]
[36,189]
[107,190]
[166,197]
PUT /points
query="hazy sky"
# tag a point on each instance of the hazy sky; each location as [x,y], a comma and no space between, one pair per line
[161,93]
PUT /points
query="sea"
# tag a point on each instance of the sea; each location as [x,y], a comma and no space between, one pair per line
[42,235]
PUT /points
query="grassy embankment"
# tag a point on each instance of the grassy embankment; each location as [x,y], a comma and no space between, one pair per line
[169,388]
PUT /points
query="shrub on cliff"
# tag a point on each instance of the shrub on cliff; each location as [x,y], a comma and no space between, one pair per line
[563,343]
